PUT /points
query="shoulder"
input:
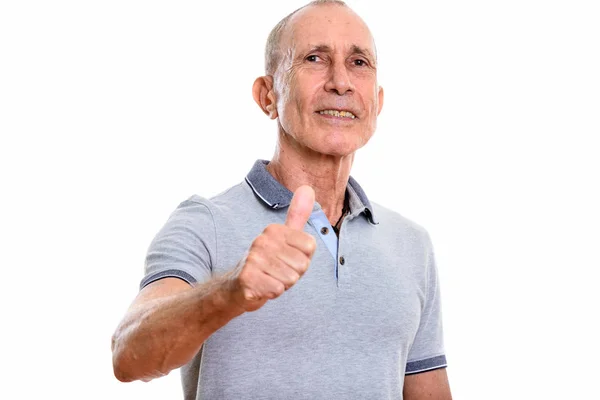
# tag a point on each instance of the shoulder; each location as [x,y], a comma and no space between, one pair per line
[224,211]
[394,221]
[197,204]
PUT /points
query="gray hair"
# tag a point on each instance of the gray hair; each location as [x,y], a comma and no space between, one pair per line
[272,50]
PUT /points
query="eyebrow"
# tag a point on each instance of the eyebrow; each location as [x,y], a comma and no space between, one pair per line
[323,48]
[362,51]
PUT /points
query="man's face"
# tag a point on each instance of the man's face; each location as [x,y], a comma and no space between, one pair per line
[326,85]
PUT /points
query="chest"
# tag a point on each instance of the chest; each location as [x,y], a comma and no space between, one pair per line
[375,295]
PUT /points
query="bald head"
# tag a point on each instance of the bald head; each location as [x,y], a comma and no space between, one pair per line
[274,51]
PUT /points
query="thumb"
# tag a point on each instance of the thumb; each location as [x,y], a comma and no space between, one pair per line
[300,208]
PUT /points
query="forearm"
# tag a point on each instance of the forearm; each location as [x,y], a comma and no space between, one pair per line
[163,334]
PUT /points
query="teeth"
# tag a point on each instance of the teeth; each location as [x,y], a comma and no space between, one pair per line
[335,113]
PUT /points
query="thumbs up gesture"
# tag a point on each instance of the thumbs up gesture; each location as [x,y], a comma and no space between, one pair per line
[277,258]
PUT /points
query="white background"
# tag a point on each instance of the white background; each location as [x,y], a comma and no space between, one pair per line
[113,112]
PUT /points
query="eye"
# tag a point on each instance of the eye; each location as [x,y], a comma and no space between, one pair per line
[360,62]
[312,58]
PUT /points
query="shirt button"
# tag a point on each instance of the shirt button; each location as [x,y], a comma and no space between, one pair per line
[324,230]
[342,260]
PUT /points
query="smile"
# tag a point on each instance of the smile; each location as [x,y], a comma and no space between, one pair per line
[339,114]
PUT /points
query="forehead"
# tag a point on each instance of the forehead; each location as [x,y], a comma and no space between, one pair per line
[332,25]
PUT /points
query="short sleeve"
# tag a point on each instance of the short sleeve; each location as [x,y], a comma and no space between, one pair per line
[185,247]
[427,351]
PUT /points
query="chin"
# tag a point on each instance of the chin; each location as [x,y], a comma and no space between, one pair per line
[336,146]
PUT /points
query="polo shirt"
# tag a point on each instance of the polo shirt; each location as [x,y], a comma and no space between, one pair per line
[365,314]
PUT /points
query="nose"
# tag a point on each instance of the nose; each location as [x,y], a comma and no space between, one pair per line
[339,79]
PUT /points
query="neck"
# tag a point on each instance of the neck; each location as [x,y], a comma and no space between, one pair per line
[294,166]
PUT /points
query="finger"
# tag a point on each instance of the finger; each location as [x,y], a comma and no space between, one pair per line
[281,271]
[271,287]
[295,259]
[262,286]
[302,241]
[300,208]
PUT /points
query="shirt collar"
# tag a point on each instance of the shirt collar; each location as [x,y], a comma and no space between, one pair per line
[277,196]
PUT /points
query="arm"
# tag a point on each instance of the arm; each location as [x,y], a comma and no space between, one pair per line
[169,320]
[427,385]
[426,376]
[166,325]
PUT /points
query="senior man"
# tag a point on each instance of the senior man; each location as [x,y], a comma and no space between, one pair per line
[292,284]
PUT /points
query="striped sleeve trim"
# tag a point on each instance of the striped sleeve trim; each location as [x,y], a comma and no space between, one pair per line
[428,364]
[170,273]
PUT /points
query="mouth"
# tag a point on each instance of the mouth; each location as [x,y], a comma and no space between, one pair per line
[342,114]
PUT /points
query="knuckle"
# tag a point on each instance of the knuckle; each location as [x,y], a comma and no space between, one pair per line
[304,264]
[249,295]
[244,279]
[253,259]
[294,278]
[260,242]
[278,289]
[311,243]
[271,230]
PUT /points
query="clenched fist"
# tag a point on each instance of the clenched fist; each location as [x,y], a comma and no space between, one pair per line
[277,258]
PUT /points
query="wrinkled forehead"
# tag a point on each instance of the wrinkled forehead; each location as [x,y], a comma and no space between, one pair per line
[335,26]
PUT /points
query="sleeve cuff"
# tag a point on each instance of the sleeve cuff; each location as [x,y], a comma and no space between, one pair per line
[170,273]
[428,364]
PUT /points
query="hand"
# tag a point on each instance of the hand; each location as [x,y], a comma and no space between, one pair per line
[278,257]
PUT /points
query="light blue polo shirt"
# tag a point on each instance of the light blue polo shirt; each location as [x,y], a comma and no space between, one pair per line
[365,314]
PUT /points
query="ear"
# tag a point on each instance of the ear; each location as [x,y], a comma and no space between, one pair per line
[264,96]
[380,100]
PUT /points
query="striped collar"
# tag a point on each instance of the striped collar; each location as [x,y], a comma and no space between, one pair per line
[277,196]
